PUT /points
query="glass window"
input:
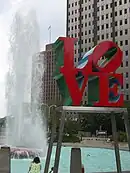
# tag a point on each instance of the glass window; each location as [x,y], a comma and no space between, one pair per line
[127,97]
[126,63]
[126,52]
[127,86]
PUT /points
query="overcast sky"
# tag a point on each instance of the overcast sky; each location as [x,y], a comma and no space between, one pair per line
[49,12]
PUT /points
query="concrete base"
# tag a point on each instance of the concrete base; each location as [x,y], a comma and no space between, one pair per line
[75,163]
[5,160]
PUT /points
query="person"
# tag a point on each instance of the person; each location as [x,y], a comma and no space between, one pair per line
[52,169]
[83,171]
[35,166]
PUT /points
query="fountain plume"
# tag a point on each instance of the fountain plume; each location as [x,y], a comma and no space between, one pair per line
[25,125]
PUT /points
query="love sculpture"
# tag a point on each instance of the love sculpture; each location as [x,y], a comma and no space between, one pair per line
[95,73]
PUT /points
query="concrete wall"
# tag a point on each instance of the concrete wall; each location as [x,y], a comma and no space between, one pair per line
[75,162]
[5,160]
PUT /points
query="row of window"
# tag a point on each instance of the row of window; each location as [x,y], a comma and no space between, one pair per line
[126,64]
[47,99]
[121,22]
[107,7]
[121,2]
[102,27]
[102,37]
[117,23]
[103,17]
[117,34]
[116,13]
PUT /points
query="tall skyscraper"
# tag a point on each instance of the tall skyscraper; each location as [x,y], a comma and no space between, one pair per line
[92,21]
[50,90]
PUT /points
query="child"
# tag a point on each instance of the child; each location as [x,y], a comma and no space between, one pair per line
[35,166]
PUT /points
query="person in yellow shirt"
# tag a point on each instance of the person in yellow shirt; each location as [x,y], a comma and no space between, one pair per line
[35,166]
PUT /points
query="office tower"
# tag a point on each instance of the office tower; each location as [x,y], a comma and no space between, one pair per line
[92,21]
[50,90]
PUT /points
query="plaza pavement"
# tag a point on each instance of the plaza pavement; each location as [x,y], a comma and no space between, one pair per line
[96,143]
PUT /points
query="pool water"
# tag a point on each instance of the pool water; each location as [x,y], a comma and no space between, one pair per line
[94,160]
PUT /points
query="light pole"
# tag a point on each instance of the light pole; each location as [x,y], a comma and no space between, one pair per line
[49,108]
[53,129]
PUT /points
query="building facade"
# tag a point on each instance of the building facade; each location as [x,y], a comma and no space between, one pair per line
[51,93]
[92,21]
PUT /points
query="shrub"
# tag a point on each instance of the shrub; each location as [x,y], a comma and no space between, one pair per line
[122,137]
[71,138]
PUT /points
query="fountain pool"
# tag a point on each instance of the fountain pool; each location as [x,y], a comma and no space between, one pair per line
[94,160]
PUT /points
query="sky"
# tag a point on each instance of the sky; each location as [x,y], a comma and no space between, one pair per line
[49,12]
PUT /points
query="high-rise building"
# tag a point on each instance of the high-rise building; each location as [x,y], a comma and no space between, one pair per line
[92,21]
[50,90]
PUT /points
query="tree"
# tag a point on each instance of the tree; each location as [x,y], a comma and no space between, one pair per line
[71,126]
[127,105]
[93,122]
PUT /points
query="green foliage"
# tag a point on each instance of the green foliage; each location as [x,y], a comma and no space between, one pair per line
[91,123]
[127,105]
[71,127]
[71,138]
[122,136]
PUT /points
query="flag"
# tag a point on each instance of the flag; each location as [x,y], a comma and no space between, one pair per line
[49,27]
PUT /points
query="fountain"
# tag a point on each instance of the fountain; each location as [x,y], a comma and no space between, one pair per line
[25,131]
